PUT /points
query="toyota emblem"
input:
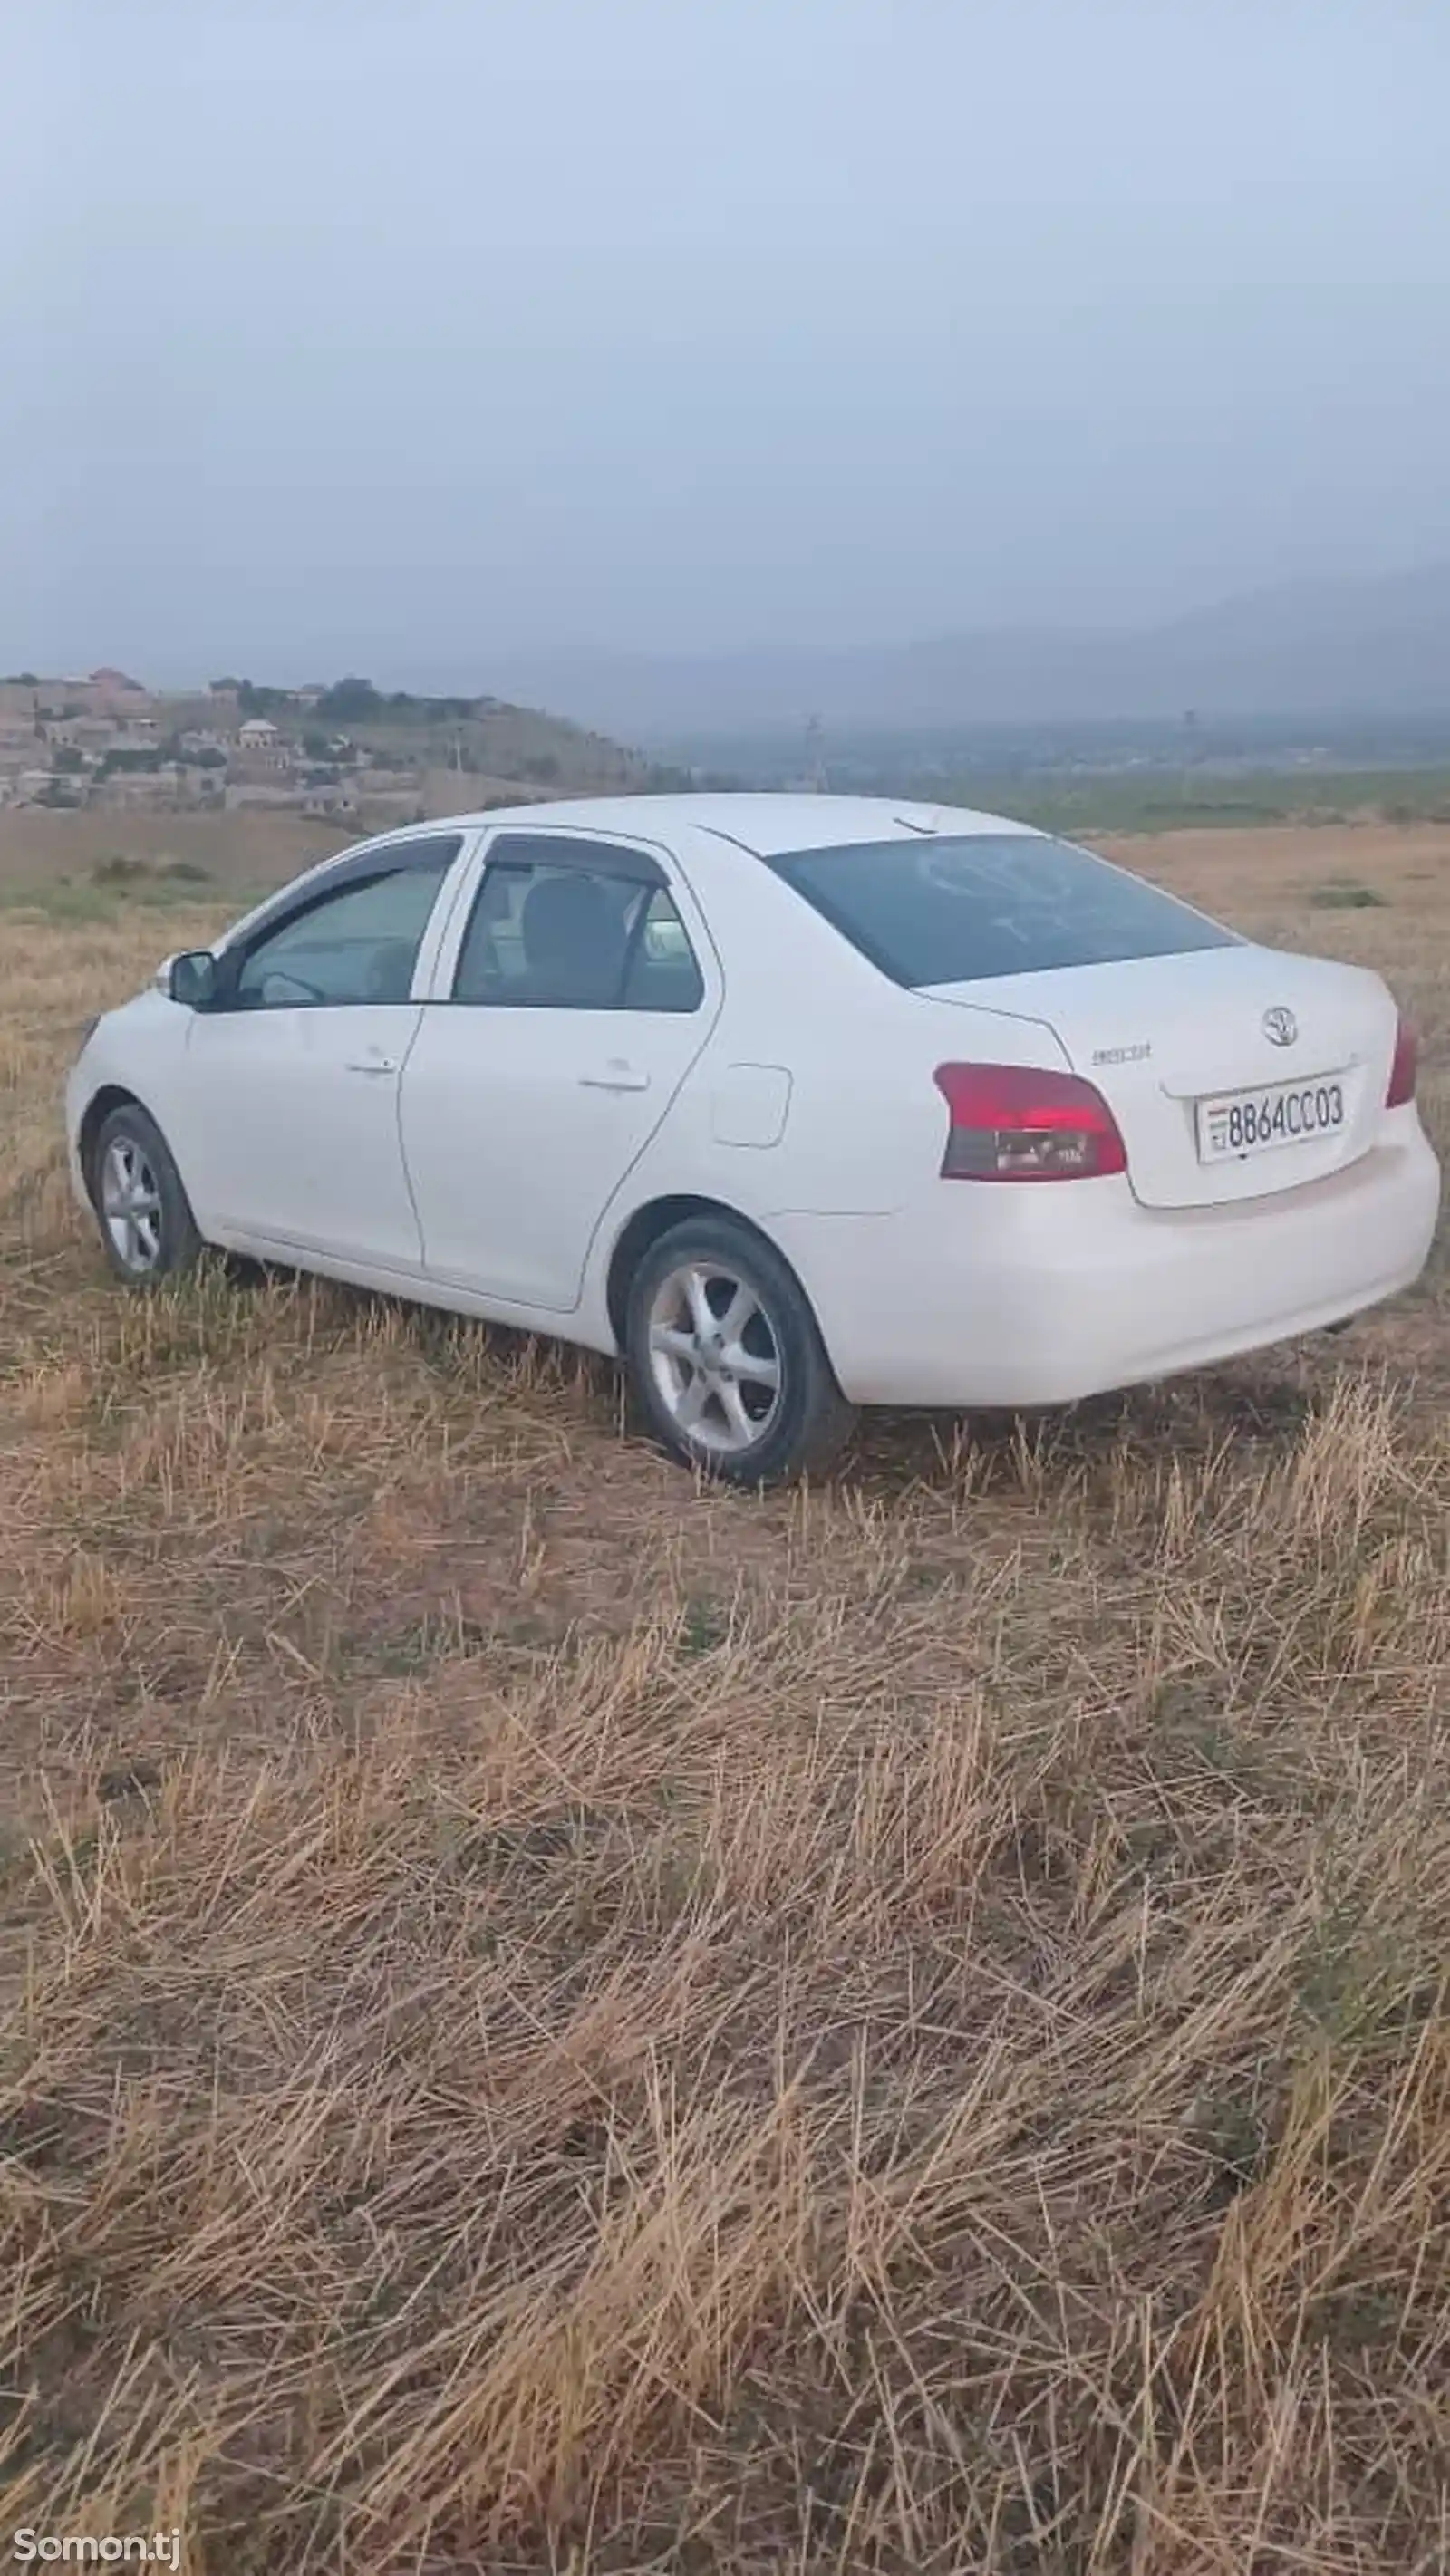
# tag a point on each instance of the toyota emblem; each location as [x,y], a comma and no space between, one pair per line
[1280,1026]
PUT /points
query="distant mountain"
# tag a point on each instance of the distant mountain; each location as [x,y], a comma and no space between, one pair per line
[1374,646]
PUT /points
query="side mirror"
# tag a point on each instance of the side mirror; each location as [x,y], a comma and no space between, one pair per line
[191,978]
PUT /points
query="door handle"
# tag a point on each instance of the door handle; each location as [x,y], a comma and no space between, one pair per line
[615,1077]
[371,1064]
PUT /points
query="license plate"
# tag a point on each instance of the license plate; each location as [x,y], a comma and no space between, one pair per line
[1254,1122]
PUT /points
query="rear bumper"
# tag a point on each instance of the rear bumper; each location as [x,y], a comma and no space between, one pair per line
[1039,1296]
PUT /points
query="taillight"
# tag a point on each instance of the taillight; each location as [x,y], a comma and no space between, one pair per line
[1403,1068]
[1010,1122]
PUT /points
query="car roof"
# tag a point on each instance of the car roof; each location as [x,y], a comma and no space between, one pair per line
[759,825]
[762,824]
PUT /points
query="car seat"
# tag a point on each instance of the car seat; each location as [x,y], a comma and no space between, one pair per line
[573,941]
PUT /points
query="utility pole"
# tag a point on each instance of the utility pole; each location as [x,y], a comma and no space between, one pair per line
[1190,748]
[815,756]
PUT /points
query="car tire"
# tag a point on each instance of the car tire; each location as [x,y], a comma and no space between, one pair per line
[148,1232]
[726,1359]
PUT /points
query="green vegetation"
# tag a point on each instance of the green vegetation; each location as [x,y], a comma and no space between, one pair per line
[143,872]
[255,701]
[113,889]
[1159,801]
[355,701]
[1341,896]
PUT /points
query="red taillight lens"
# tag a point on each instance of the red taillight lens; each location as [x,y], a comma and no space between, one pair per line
[1010,1122]
[1404,1067]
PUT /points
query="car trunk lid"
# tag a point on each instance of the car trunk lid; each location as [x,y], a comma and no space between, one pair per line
[1169,1040]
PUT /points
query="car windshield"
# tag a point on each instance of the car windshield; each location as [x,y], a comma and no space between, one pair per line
[955,909]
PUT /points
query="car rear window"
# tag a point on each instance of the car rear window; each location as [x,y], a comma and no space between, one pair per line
[955,909]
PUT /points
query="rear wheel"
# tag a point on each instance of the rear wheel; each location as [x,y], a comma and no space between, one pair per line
[147,1228]
[726,1358]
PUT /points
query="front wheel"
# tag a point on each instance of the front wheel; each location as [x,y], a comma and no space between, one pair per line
[726,1358]
[147,1228]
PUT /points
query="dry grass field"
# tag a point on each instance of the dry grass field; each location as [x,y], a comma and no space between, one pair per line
[555,2021]
[41,851]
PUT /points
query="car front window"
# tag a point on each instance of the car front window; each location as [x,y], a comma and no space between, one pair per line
[356,944]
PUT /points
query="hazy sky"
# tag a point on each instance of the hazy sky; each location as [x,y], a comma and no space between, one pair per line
[399,337]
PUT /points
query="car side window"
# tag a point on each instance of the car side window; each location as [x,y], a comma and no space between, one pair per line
[662,973]
[359,943]
[572,937]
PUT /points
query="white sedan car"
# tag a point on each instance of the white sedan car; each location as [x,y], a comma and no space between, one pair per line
[797,1103]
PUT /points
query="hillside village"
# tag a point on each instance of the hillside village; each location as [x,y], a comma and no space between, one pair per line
[345,750]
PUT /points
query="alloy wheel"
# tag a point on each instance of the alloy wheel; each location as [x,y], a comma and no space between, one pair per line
[131,1208]
[715,1358]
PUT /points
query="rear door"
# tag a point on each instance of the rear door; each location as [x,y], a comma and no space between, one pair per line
[579,991]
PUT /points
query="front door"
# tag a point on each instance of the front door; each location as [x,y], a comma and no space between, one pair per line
[577,1007]
[287,1131]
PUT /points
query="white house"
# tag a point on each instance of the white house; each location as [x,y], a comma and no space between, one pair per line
[262,752]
